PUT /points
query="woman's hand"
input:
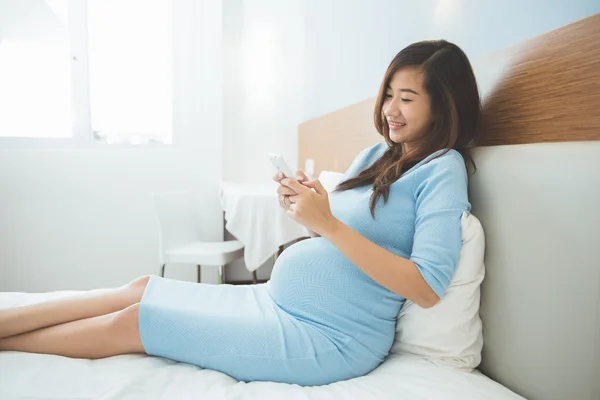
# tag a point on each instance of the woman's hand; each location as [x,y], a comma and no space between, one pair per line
[283,192]
[310,208]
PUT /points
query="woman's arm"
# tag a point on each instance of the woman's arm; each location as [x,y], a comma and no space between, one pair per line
[391,271]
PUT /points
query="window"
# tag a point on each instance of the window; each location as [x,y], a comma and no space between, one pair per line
[35,72]
[86,71]
[129,47]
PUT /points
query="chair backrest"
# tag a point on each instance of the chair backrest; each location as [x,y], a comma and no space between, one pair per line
[176,218]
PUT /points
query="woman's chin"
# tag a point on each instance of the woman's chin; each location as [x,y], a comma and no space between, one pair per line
[397,138]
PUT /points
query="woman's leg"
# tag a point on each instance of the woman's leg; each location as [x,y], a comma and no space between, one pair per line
[18,320]
[96,337]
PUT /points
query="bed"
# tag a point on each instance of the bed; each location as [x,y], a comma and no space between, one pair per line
[34,376]
[536,193]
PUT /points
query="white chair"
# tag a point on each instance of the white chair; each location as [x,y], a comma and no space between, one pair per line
[179,238]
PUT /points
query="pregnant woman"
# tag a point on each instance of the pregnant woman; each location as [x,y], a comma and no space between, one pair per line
[390,231]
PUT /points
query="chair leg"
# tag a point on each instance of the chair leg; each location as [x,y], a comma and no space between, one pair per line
[162,271]
[220,278]
[254,280]
[199,273]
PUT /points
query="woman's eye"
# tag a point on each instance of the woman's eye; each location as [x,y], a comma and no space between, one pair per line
[405,100]
[388,96]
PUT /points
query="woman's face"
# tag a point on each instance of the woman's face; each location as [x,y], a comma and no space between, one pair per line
[406,106]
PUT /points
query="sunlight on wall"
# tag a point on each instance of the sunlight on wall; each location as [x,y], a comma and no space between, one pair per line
[447,17]
[35,89]
[259,69]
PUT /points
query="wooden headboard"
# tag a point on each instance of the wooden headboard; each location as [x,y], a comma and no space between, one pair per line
[537,194]
[546,89]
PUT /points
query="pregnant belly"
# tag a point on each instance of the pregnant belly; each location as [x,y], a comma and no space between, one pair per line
[313,280]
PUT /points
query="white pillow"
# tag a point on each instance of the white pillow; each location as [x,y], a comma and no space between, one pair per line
[330,179]
[450,333]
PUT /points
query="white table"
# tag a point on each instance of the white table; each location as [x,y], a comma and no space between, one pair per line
[254,217]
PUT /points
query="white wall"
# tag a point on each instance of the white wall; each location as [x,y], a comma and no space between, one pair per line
[263,84]
[82,218]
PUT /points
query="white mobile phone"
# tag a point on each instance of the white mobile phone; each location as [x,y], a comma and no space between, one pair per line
[281,166]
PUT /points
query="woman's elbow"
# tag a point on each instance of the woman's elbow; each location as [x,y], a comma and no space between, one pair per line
[427,299]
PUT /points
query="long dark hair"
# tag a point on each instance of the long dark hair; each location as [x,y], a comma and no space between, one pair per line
[455,114]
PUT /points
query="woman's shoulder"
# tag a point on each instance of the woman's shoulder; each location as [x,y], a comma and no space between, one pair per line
[443,169]
[444,160]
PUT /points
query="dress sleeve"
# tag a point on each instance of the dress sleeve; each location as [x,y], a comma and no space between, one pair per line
[441,196]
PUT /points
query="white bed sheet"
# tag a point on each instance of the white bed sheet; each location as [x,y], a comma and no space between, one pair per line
[37,376]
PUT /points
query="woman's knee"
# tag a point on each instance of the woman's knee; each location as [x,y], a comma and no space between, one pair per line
[140,282]
[137,287]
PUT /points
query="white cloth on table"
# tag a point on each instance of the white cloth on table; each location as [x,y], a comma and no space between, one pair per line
[254,217]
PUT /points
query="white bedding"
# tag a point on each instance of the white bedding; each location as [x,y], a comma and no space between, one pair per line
[36,376]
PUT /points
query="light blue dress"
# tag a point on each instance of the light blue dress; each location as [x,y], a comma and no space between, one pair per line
[319,319]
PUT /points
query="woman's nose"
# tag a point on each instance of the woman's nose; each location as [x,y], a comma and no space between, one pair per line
[391,110]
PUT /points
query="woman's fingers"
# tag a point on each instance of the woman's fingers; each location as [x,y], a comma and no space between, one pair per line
[301,176]
[278,177]
[285,191]
[284,201]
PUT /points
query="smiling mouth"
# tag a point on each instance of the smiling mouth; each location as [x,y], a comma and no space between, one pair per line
[396,125]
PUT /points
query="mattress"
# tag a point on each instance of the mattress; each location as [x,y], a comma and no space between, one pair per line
[37,376]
